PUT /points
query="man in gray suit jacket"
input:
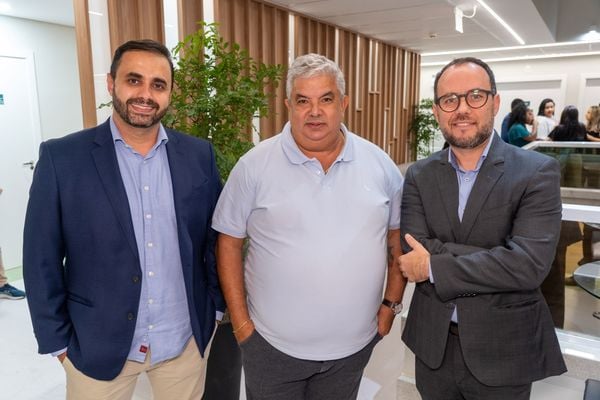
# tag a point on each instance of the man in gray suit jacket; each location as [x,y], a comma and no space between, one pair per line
[481,221]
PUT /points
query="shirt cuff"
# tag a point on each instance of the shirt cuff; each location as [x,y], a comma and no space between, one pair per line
[430,274]
[59,352]
[219,315]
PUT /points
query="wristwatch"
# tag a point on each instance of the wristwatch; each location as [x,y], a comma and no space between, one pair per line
[396,307]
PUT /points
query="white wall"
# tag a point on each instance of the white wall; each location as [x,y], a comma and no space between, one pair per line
[558,78]
[57,74]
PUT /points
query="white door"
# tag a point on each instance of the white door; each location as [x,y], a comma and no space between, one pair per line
[20,135]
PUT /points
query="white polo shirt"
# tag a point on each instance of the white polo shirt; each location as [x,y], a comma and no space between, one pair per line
[317,256]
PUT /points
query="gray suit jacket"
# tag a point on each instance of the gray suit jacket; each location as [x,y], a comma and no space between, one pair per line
[490,265]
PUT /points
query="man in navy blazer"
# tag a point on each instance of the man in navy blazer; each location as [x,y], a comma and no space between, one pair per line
[481,222]
[118,249]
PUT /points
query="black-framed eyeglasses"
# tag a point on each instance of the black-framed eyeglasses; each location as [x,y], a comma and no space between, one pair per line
[475,98]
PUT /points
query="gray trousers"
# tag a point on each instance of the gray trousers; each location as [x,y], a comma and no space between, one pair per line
[454,381]
[273,375]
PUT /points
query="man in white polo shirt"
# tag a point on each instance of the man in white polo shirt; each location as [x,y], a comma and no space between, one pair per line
[319,206]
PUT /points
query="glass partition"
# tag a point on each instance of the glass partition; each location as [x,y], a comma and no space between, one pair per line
[579,243]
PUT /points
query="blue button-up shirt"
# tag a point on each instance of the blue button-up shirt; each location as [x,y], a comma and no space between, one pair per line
[163,321]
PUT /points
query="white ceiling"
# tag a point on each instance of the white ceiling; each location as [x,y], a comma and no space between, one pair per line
[423,26]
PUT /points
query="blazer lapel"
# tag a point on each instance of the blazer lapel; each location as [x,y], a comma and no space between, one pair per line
[448,187]
[491,170]
[181,179]
[107,165]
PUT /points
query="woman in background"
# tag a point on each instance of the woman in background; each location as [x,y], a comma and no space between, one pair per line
[545,118]
[569,129]
[593,124]
[518,134]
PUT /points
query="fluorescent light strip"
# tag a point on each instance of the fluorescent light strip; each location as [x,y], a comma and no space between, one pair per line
[502,22]
[529,46]
[521,58]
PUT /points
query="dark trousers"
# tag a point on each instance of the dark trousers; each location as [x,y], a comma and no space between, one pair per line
[224,368]
[553,287]
[273,375]
[454,381]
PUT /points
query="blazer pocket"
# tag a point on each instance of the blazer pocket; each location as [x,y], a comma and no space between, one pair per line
[78,299]
[520,304]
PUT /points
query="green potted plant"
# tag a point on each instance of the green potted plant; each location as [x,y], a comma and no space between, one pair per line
[423,129]
[218,89]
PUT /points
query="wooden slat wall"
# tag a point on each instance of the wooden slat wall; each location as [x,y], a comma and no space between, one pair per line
[134,19]
[189,12]
[264,31]
[84,58]
[313,37]
[379,110]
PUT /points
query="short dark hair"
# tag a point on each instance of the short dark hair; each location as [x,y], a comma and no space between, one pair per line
[151,46]
[514,103]
[466,60]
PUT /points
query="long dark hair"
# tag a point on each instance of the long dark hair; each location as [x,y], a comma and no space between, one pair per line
[518,115]
[569,129]
[543,106]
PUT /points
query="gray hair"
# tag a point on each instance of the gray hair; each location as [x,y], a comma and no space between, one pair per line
[310,65]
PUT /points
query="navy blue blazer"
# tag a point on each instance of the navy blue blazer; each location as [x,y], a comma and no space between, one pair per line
[80,261]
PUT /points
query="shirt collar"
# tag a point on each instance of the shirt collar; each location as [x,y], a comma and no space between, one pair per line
[296,156]
[117,137]
[452,159]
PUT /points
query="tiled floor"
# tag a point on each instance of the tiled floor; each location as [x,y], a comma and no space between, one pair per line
[25,375]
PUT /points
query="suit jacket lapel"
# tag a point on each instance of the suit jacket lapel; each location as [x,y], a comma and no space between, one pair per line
[107,165]
[491,170]
[448,187]
[181,179]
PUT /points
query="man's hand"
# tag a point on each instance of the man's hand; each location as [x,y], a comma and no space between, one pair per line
[244,331]
[385,319]
[414,264]
[61,357]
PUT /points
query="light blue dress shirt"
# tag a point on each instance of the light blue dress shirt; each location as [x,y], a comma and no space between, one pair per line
[163,321]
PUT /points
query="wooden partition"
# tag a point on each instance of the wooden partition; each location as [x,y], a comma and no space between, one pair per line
[134,19]
[263,30]
[313,37]
[381,81]
[85,65]
[189,13]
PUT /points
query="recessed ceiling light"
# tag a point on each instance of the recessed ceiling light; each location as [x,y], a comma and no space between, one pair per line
[522,58]
[502,22]
[509,48]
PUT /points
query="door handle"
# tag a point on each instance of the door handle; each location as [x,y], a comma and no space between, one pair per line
[30,164]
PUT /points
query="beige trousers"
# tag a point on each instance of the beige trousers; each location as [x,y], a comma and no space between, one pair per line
[3,279]
[180,378]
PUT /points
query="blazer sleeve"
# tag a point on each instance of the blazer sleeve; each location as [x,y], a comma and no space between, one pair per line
[520,262]
[43,255]
[210,256]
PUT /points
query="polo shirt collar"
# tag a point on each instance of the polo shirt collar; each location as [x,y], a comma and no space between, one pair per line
[296,156]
